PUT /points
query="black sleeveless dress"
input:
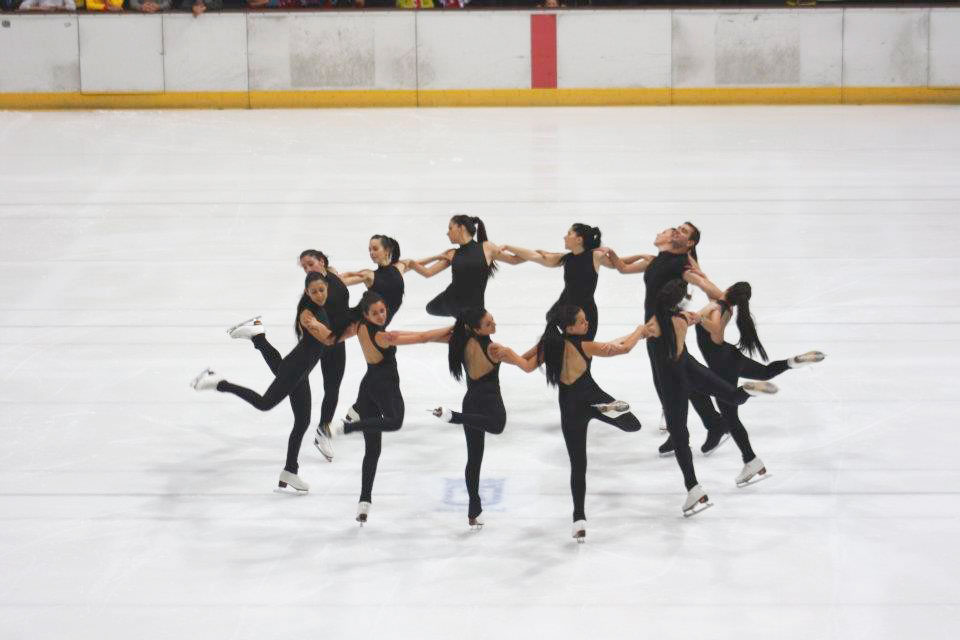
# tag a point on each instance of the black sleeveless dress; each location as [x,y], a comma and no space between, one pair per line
[388,282]
[579,285]
[469,283]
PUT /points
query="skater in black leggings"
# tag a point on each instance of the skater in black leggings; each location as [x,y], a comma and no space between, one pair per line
[291,373]
[387,279]
[677,258]
[380,401]
[472,265]
[568,359]
[679,375]
[731,363]
[471,350]
[581,266]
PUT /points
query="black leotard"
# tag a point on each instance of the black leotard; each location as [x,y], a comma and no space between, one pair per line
[469,283]
[579,285]
[388,282]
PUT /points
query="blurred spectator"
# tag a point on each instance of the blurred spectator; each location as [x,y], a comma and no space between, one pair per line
[200,6]
[103,5]
[414,4]
[47,5]
[150,6]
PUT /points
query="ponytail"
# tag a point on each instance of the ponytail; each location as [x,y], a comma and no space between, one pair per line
[589,235]
[551,345]
[390,245]
[307,303]
[739,295]
[667,304]
[475,227]
[463,330]
[695,237]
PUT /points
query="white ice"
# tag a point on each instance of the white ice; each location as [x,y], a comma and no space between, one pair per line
[134,507]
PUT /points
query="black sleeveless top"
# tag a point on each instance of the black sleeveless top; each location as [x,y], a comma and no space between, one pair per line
[310,348]
[470,275]
[338,302]
[388,282]
[579,279]
[661,350]
[494,374]
[576,342]
[389,354]
[661,270]
[708,347]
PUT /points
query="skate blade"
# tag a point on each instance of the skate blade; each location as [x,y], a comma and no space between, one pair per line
[326,457]
[700,507]
[476,527]
[668,454]
[581,539]
[723,439]
[663,428]
[760,477]
[284,489]
[245,322]
[362,519]
[614,408]
[200,376]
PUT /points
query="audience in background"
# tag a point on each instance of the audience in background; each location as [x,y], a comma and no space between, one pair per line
[47,5]
[149,6]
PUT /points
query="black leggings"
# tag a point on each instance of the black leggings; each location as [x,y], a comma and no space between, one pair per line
[332,364]
[575,413]
[448,304]
[702,404]
[679,380]
[483,412]
[284,384]
[381,408]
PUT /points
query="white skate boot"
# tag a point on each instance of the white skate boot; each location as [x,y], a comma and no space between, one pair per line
[352,415]
[696,502]
[752,473]
[292,479]
[247,329]
[323,441]
[760,388]
[363,510]
[206,380]
[804,359]
[613,409]
[476,523]
[580,531]
[443,413]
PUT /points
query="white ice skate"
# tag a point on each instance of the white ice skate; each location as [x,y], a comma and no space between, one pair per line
[323,441]
[248,321]
[363,510]
[804,359]
[247,329]
[760,388]
[476,523]
[663,422]
[696,502]
[292,479]
[443,413]
[613,409]
[352,415]
[752,473]
[580,531]
[206,380]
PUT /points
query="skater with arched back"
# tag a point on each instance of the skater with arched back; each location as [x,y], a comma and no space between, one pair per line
[472,264]
[581,266]
[387,278]
[568,358]
[381,406]
[732,362]
[471,351]
[680,374]
[291,373]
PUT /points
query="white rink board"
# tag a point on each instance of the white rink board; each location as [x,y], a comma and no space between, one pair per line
[886,48]
[39,54]
[944,47]
[205,55]
[121,53]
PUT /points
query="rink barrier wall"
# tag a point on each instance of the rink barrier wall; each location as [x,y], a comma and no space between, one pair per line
[503,58]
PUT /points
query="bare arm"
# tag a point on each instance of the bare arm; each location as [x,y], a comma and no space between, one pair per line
[504,255]
[394,338]
[316,328]
[635,265]
[697,279]
[501,353]
[356,277]
[439,264]
[545,258]
[618,348]
[712,320]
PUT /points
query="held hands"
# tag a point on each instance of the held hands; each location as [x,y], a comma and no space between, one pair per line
[691,317]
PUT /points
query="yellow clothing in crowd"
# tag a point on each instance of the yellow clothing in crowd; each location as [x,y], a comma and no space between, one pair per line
[414,4]
[99,5]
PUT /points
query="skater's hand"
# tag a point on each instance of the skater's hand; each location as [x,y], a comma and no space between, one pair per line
[691,317]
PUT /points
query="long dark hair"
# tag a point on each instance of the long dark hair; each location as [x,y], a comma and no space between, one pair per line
[589,235]
[476,229]
[695,238]
[319,255]
[667,304]
[390,245]
[359,312]
[738,295]
[307,303]
[467,321]
[550,348]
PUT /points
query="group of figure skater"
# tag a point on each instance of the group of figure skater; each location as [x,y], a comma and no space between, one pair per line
[565,350]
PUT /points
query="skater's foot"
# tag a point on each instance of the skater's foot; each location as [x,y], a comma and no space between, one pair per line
[247,331]
[249,323]
[476,523]
[804,359]
[323,441]
[363,510]
[760,388]
[443,413]
[206,380]
[696,502]
[352,416]
[666,449]
[715,438]
[580,531]
[613,408]
[753,472]
[292,479]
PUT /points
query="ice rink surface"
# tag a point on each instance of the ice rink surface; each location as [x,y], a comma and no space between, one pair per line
[134,507]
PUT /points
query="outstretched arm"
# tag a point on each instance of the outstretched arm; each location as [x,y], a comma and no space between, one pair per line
[393,338]
[545,258]
[618,347]
[699,280]
[495,252]
[440,263]
[631,264]
[351,278]
[501,353]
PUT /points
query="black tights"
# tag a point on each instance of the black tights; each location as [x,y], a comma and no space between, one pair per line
[701,402]
[483,412]
[332,364]
[381,408]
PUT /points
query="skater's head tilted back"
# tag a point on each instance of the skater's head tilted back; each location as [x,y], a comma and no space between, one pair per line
[667,305]
[470,323]
[384,250]
[738,295]
[312,260]
[582,236]
[689,236]
[562,320]
[313,298]
[371,308]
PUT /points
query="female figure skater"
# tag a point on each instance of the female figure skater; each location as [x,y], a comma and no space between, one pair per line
[472,264]
[568,358]
[676,259]
[581,266]
[679,374]
[291,373]
[471,350]
[387,279]
[381,405]
[732,362]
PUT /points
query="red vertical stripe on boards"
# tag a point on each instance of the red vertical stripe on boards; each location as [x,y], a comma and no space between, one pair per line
[543,51]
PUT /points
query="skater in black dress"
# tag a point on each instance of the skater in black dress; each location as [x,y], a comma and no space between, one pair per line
[387,278]
[568,358]
[581,266]
[472,351]
[381,406]
[291,373]
[732,362]
[473,263]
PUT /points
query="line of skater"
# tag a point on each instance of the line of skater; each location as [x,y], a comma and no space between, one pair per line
[565,350]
